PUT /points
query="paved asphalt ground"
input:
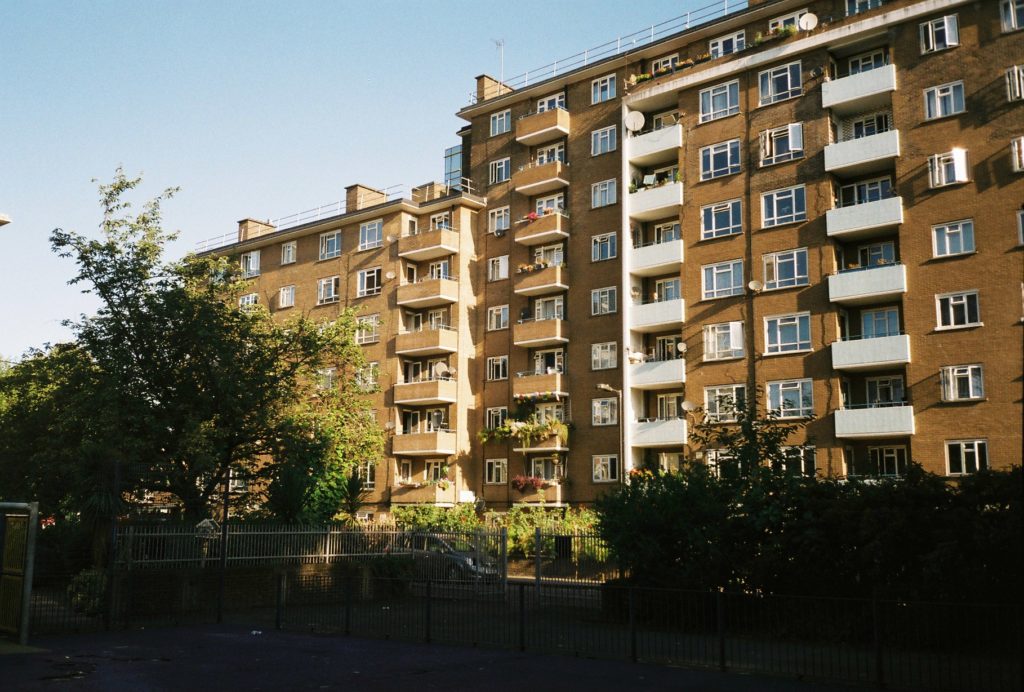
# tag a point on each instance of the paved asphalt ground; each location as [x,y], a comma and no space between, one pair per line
[223,657]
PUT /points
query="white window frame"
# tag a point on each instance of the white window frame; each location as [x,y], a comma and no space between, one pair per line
[363,285]
[709,217]
[805,457]
[497,268]
[730,91]
[603,141]
[791,19]
[549,153]
[773,334]
[326,378]
[604,411]
[951,376]
[664,63]
[714,274]
[792,135]
[368,329]
[289,252]
[948,304]
[500,170]
[496,416]
[548,468]
[551,102]
[501,122]
[602,242]
[953,238]
[286,297]
[371,234]
[249,300]
[603,193]
[857,6]
[250,263]
[1011,13]
[710,168]
[497,318]
[798,198]
[1015,83]
[774,262]
[716,46]
[718,336]
[941,101]
[404,471]
[499,219]
[977,448]
[602,89]
[769,92]
[497,368]
[366,378]
[1020,227]
[328,290]
[330,245]
[604,301]
[434,470]
[604,356]
[715,397]
[495,471]
[1017,154]
[777,398]
[939,34]
[950,168]
[605,468]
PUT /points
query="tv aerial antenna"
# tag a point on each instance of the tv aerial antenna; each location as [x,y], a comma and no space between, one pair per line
[499,43]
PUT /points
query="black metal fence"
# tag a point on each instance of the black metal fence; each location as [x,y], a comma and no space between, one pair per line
[928,646]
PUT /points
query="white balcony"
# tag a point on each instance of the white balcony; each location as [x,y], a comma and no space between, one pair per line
[880,353]
[656,202]
[857,157]
[864,220]
[874,423]
[861,92]
[660,258]
[657,146]
[869,285]
[657,316]
[659,432]
[658,374]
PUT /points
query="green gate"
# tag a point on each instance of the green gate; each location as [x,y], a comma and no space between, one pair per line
[18,522]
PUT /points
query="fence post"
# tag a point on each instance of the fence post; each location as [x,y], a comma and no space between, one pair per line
[279,615]
[536,558]
[720,625]
[428,599]
[632,623]
[504,559]
[348,605]
[522,617]
[876,626]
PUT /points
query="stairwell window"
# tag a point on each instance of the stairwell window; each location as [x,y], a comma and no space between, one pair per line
[720,101]
[723,341]
[286,297]
[1012,14]
[371,234]
[604,356]
[249,300]
[962,382]
[1015,83]
[498,220]
[955,310]
[602,194]
[780,207]
[791,398]
[496,471]
[964,457]
[953,238]
[497,318]
[604,411]
[603,247]
[722,279]
[785,269]
[497,268]
[330,245]
[939,34]
[369,283]
[780,83]
[719,160]
[603,141]
[496,416]
[723,401]
[782,144]
[501,122]
[603,301]
[948,169]
[327,290]
[606,468]
[1017,153]
[497,368]
[368,329]
[602,89]
[250,264]
[787,333]
[944,100]
[499,171]
[288,252]
[720,219]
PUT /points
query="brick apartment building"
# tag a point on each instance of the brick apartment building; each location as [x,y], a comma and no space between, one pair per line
[820,201]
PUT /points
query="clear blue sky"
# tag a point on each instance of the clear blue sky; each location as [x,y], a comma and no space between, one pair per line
[253,108]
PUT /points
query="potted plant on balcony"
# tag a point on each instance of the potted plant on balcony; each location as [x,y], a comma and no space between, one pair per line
[525,484]
[684,64]
[703,57]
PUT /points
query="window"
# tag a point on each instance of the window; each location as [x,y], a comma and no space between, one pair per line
[939,34]
[866,125]
[602,89]
[800,461]
[250,264]
[782,144]
[720,159]
[962,383]
[498,220]
[719,460]
[884,391]
[871,60]
[371,234]
[954,238]
[606,468]
[785,269]
[604,411]
[546,468]
[957,310]
[602,141]
[948,169]
[549,308]
[723,340]
[405,471]
[944,100]
[248,300]
[549,153]
[858,6]
[327,290]
[288,252]
[1017,153]
[500,170]
[966,456]
[434,471]
[1012,14]
[604,356]
[791,398]
[366,376]
[550,411]
[875,324]
[787,333]
[786,20]
[780,83]
[1015,83]
[865,191]
[719,101]
[723,45]
[330,245]
[722,279]
[887,461]
[551,102]
[549,203]
[326,378]
[501,122]
[876,254]
[286,297]
[369,282]
[497,268]
[442,221]
[368,329]
[664,64]
[497,416]
[722,402]
[602,194]
[497,318]
[667,289]
[497,368]
[1020,227]
[603,247]
[667,232]
[495,471]
[603,301]
[720,219]
[783,206]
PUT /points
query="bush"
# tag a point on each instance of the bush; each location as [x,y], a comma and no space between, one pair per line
[442,519]
[86,591]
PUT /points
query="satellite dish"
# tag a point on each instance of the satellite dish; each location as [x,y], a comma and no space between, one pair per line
[681,347]
[389,276]
[451,373]
[755,285]
[441,371]
[635,121]
[808,21]
[688,406]
[390,425]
